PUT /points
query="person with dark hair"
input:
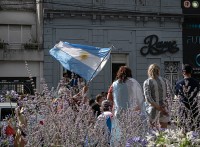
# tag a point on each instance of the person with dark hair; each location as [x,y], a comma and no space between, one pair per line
[97,104]
[186,91]
[74,81]
[125,92]
[158,94]
[186,82]
[66,78]
[91,102]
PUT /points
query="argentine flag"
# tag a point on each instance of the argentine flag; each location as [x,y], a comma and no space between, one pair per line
[86,61]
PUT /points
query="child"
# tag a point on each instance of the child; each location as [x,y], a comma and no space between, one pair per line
[106,113]
[104,120]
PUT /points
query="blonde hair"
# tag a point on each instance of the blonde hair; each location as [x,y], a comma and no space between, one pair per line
[153,71]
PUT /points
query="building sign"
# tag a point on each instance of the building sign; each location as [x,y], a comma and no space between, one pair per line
[186,4]
[155,47]
[191,46]
[190,6]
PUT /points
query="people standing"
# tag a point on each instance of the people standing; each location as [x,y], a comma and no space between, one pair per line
[106,115]
[74,80]
[186,91]
[97,104]
[125,92]
[81,83]
[106,109]
[66,78]
[157,92]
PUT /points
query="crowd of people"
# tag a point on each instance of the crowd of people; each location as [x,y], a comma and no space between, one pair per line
[154,98]
[152,102]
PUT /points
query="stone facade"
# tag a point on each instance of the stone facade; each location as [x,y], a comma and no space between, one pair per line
[122,24]
[20,41]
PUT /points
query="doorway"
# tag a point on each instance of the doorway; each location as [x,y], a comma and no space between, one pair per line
[117,61]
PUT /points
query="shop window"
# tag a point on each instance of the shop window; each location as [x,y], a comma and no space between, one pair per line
[5,112]
[22,85]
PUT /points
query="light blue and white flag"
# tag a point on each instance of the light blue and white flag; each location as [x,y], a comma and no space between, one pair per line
[86,61]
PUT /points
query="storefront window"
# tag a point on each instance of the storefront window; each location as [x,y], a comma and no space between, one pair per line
[21,85]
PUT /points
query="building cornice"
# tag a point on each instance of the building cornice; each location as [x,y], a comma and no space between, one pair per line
[106,15]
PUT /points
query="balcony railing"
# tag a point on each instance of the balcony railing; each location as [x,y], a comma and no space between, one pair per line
[3,45]
[19,52]
[26,46]
[31,46]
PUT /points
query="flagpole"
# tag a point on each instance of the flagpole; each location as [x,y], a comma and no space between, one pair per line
[99,66]
[87,85]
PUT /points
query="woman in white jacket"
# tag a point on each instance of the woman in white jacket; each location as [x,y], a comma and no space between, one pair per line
[126,92]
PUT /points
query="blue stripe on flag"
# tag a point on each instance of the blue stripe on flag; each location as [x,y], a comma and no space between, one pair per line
[82,63]
[72,64]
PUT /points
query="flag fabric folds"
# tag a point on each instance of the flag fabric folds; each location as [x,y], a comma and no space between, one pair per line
[86,61]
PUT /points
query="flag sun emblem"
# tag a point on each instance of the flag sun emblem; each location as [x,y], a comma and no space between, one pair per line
[84,55]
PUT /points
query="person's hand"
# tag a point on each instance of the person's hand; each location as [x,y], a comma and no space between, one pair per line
[85,89]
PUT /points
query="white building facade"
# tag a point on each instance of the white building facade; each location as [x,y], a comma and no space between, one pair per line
[20,43]
[141,31]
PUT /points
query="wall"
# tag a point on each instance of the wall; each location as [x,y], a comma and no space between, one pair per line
[18,69]
[21,13]
[112,26]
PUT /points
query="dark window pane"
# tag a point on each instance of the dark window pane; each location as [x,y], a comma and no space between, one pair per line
[115,67]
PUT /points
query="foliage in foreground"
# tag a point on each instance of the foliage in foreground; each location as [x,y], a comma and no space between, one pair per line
[58,118]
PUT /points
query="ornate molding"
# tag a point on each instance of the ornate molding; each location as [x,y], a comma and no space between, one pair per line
[104,15]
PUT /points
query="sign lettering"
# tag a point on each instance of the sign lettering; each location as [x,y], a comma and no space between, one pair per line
[156,47]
